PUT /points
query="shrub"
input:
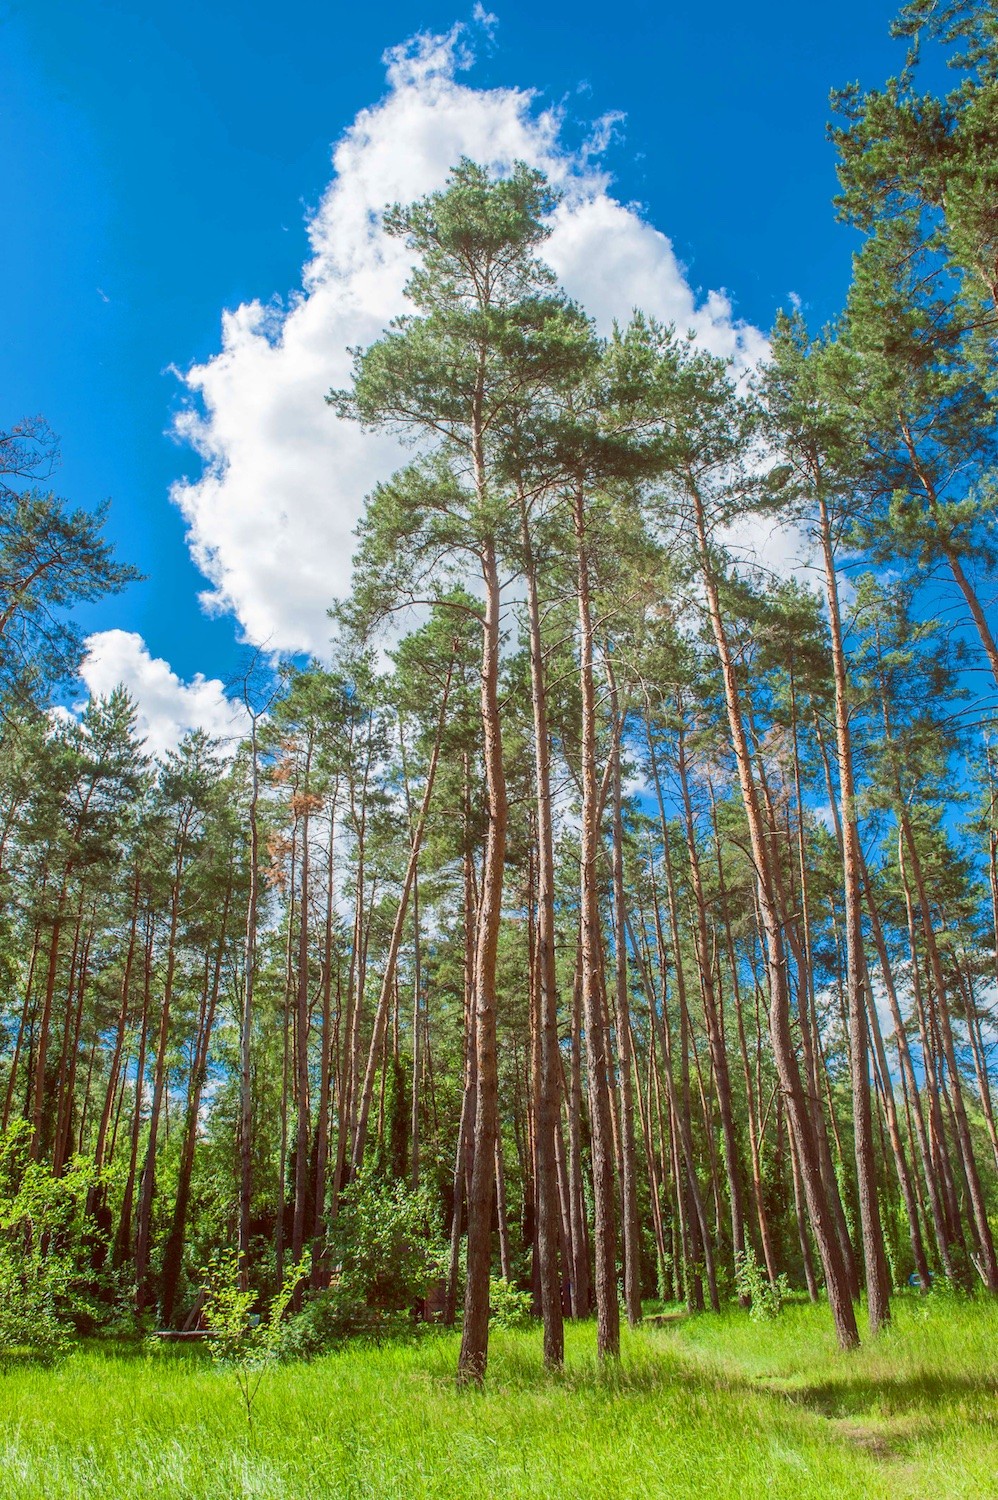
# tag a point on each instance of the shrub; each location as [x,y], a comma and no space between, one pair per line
[32,1291]
[48,1243]
[508,1306]
[386,1245]
[330,1316]
[387,1252]
[751,1281]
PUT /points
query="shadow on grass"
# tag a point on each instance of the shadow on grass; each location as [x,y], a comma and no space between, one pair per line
[930,1393]
[12,1360]
[642,1370]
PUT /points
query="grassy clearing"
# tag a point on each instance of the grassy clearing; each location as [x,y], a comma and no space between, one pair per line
[922,1399]
[716,1408]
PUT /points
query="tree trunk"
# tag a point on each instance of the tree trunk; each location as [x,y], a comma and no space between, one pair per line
[916,1118]
[713,1015]
[546,1187]
[784,1054]
[395,944]
[581,1281]
[173,1253]
[123,1240]
[246,1018]
[874,1260]
[625,1055]
[473,1355]
[303,1023]
[987,1265]
[147,1182]
[593,995]
[38,1092]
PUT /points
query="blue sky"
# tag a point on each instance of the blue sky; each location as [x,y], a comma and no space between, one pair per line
[160,164]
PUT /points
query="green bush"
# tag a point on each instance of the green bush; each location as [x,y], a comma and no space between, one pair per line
[32,1299]
[386,1246]
[333,1315]
[386,1251]
[751,1281]
[49,1287]
[325,1319]
[508,1306]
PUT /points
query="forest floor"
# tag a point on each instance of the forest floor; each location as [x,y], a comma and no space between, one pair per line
[718,1408]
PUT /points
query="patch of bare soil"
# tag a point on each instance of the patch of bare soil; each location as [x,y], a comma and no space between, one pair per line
[873,1441]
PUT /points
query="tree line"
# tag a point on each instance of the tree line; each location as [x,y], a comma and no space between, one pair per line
[631,905]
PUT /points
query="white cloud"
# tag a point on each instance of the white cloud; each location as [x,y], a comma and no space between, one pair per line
[485,19]
[271,518]
[167,707]
[775,546]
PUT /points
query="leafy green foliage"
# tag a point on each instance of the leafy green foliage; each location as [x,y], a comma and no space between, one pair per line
[51,558]
[48,1286]
[243,1341]
[509,1307]
[386,1245]
[766,1298]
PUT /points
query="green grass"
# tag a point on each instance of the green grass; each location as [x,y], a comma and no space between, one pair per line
[922,1398]
[715,1407]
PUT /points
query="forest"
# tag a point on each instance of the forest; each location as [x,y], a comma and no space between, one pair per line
[608,927]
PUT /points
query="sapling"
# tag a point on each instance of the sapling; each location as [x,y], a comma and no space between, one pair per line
[241,1340]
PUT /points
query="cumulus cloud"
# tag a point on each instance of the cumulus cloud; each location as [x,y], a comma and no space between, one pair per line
[271,518]
[167,706]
